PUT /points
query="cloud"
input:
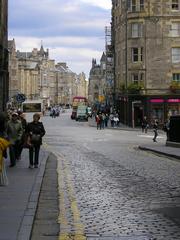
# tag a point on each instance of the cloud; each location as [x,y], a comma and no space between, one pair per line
[106,4]
[73,30]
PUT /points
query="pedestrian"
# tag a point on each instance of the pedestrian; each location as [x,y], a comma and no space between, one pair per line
[111,117]
[116,120]
[103,116]
[23,138]
[35,131]
[144,125]
[4,144]
[14,132]
[155,129]
[98,122]
[106,120]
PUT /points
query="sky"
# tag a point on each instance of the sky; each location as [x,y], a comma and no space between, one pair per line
[72,30]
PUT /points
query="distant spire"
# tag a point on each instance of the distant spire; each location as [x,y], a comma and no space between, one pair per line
[42,49]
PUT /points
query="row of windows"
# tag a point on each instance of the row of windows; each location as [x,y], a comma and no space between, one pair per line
[139,77]
[137,54]
[137,30]
[138,5]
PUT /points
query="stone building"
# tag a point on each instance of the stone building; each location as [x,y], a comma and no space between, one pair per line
[65,83]
[32,73]
[13,69]
[38,77]
[4,81]
[81,85]
[146,41]
[97,83]
[69,84]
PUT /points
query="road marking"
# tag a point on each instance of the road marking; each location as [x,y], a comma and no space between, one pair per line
[64,176]
[149,136]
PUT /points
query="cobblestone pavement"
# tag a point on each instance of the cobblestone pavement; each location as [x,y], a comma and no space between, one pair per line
[118,192]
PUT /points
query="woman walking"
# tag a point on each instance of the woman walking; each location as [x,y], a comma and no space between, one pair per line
[35,131]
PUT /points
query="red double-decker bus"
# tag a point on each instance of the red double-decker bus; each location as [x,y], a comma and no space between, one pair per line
[77,101]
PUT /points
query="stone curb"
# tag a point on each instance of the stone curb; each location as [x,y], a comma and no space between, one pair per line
[159,152]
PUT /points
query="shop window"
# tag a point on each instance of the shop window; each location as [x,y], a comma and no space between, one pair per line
[175,29]
[176,55]
[175,5]
[176,77]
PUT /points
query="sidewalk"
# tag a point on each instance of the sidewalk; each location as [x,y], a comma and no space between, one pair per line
[18,200]
[162,149]
[153,147]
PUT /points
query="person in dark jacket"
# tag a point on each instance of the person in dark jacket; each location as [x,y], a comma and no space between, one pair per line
[144,124]
[35,131]
[155,129]
[21,117]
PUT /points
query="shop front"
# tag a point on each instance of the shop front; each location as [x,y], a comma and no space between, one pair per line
[162,108]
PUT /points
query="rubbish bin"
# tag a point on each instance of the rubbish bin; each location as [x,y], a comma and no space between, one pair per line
[174,129]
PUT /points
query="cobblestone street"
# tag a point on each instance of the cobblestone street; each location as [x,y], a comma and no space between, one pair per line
[119,191]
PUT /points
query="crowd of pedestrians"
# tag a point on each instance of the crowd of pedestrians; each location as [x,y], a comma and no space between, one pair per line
[16,134]
[102,120]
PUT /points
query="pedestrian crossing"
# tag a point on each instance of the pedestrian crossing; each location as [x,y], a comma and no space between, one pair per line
[149,136]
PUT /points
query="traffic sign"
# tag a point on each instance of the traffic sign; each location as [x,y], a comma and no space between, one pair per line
[20,97]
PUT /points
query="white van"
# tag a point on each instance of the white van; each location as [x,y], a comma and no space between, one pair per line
[30,107]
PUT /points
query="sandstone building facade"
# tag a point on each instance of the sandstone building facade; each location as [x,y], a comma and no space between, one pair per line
[97,83]
[146,41]
[39,77]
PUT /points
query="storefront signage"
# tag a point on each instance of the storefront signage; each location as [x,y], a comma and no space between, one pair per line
[176,100]
[156,100]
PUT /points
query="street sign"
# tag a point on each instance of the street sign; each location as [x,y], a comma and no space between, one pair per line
[20,97]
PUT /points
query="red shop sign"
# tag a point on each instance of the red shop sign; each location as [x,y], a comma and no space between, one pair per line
[156,100]
[173,100]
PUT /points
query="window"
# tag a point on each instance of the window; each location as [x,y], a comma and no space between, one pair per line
[141,77]
[176,77]
[175,4]
[137,54]
[176,55]
[175,29]
[141,54]
[133,5]
[136,30]
[135,78]
[141,5]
